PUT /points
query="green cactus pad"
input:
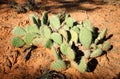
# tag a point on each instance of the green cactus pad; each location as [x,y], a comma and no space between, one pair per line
[58,65]
[70,53]
[46,32]
[96,53]
[66,27]
[88,25]
[64,34]
[55,21]
[106,46]
[18,31]
[55,54]
[63,48]
[76,29]
[85,37]
[41,31]
[82,67]
[44,18]
[102,34]
[32,28]
[56,37]
[49,43]
[17,42]
[43,41]
[36,41]
[74,36]
[69,21]
[80,26]
[29,38]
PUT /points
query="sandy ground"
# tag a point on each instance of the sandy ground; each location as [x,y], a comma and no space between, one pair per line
[14,66]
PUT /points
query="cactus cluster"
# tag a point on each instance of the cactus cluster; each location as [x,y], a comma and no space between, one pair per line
[61,33]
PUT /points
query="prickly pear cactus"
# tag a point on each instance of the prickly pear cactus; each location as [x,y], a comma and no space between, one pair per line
[64,33]
[82,67]
[18,31]
[36,41]
[70,53]
[88,25]
[47,32]
[55,21]
[96,53]
[106,46]
[101,35]
[76,29]
[63,48]
[55,53]
[29,37]
[58,65]
[17,42]
[85,37]
[32,28]
[49,43]
[74,37]
[69,21]
[56,37]
[69,40]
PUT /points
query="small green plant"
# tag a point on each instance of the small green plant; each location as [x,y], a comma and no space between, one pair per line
[62,34]
[26,36]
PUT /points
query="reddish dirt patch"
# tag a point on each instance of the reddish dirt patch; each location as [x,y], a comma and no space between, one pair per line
[14,66]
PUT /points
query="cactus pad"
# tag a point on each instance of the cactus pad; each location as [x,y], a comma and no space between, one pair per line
[64,34]
[76,29]
[56,37]
[46,32]
[32,29]
[96,53]
[55,54]
[49,43]
[36,41]
[85,37]
[58,65]
[70,53]
[106,46]
[18,31]
[55,21]
[102,34]
[17,42]
[63,48]
[74,37]
[88,25]
[69,21]
[29,38]
[82,67]
[66,27]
